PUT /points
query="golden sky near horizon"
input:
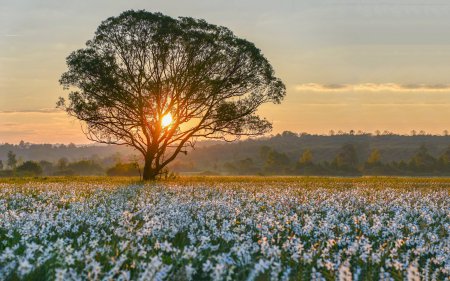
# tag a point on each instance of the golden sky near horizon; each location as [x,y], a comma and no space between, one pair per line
[361,65]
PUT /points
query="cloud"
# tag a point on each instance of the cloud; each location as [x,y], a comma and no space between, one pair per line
[372,87]
[10,124]
[42,110]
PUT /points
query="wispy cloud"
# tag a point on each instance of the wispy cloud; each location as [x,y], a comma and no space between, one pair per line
[372,87]
[11,35]
[41,110]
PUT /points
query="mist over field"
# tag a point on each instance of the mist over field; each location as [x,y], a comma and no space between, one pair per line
[282,154]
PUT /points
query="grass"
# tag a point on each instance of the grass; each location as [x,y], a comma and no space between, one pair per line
[223,179]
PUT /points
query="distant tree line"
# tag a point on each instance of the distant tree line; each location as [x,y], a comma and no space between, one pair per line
[248,156]
[345,163]
[53,152]
[62,167]
[287,153]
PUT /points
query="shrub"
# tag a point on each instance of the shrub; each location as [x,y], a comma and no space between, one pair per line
[29,168]
[124,169]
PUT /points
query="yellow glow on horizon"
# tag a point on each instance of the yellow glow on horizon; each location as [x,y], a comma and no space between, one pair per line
[166,120]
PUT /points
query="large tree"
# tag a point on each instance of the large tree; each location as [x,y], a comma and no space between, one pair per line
[157,84]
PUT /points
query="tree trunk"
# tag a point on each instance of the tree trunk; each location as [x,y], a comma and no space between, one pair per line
[149,173]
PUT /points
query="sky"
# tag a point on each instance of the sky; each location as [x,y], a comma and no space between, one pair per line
[348,65]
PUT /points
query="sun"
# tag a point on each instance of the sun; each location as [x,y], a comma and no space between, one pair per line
[166,120]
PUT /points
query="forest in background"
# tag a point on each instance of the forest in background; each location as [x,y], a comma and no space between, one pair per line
[287,153]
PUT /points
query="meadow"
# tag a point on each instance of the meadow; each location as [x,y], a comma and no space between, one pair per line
[225,228]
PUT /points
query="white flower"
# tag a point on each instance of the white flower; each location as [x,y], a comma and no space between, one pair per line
[207,266]
[412,274]
[60,274]
[344,272]
[111,233]
[96,269]
[69,260]
[24,267]
[190,271]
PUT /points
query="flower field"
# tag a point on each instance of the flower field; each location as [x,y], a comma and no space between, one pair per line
[217,229]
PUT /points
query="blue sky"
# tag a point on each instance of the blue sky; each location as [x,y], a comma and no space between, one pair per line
[361,65]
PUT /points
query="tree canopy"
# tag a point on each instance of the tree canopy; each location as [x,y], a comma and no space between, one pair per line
[12,161]
[141,67]
[30,168]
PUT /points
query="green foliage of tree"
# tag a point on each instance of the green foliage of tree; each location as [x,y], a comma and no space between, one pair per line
[374,157]
[29,168]
[12,161]
[347,158]
[47,167]
[62,163]
[85,167]
[374,166]
[264,152]
[1,165]
[276,162]
[444,161]
[242,167]
[445,157]
[422,162]
[141,66]
[62,168]
[306,166]
[306,158]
